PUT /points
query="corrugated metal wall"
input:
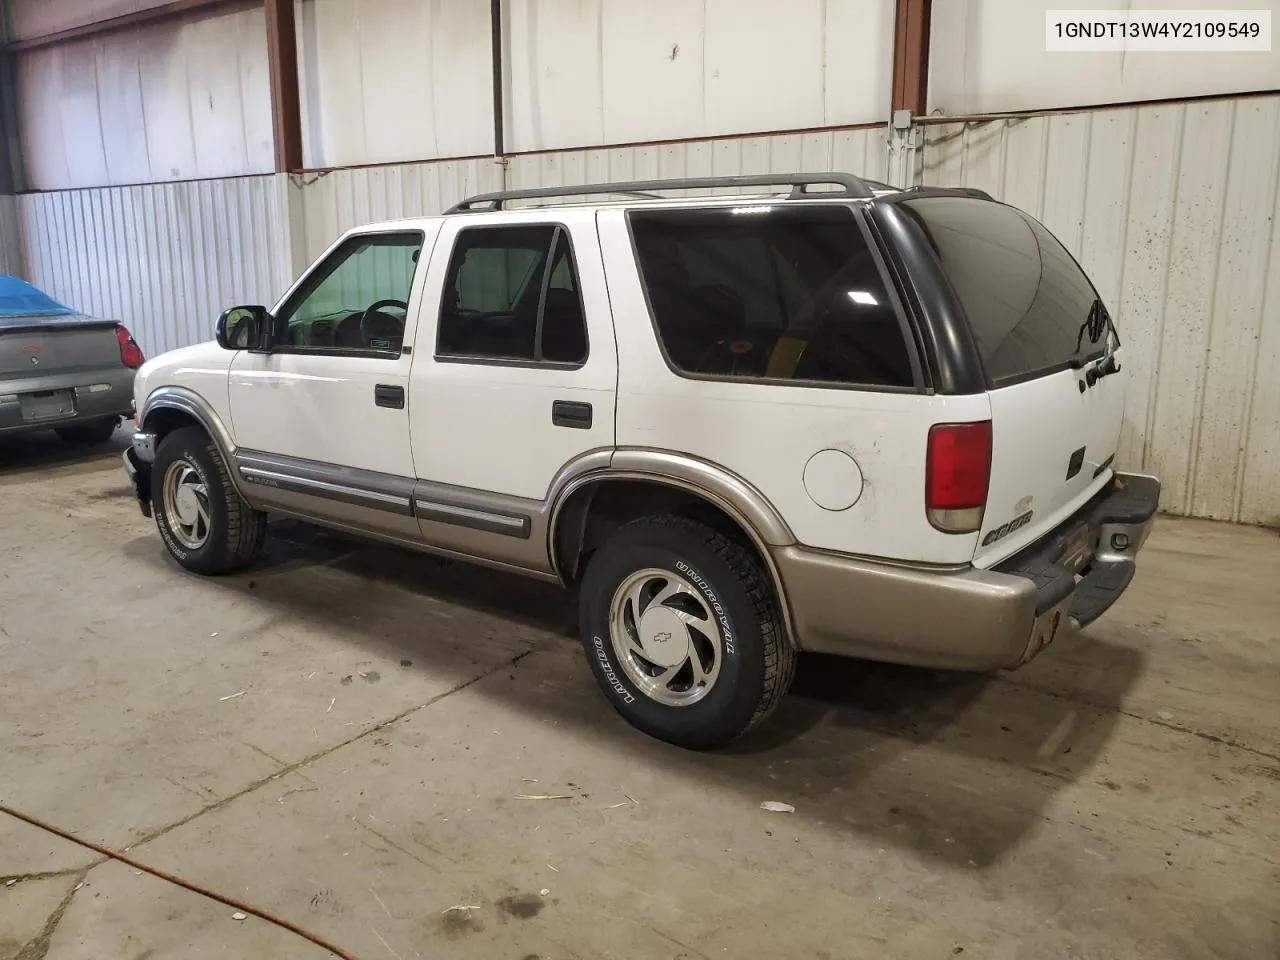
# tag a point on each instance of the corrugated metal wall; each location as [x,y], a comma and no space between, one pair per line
[12,245]
[333,202]
[990,56]
[174,100]
[1171,209]
[164,259]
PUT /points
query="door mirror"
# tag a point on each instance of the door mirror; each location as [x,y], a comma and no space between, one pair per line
[244,328]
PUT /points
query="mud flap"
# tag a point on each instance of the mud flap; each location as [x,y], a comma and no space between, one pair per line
[140,475]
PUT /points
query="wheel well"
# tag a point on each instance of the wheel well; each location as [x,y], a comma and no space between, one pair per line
[594,513]
[164,421]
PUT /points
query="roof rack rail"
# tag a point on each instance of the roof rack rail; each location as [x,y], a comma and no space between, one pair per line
[972,192]
[850,186]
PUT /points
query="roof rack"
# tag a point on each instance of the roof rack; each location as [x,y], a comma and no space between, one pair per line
[849,186]
[971,192]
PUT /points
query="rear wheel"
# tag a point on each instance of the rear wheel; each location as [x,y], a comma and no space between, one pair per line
[83,434]
[683,632]
[207,526]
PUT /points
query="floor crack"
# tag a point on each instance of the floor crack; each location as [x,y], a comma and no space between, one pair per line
[13,879]
[38,947]
[1132,715]
[287,769]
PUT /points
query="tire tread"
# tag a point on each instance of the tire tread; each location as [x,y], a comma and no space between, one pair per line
[246,528]
[774,663]
[779,655]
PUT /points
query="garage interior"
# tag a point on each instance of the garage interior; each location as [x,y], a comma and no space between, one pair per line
[354,751]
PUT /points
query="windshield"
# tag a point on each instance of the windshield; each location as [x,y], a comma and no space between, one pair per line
[1030,306]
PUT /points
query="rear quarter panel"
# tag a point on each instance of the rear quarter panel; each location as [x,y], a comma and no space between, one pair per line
[767,434]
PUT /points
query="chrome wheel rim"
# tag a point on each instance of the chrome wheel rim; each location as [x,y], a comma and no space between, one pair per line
[665,637]
[186,504]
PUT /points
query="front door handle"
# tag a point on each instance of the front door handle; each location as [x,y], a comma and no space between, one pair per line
[389,395]
[571,413]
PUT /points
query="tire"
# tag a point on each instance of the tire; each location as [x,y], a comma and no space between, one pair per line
[665,562]
[84,434]
[210,533]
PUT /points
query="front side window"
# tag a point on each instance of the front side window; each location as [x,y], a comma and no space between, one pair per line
[511,293]
[772,292]
[358,299]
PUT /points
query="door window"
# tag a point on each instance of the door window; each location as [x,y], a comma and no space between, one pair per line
[511,293]
[357,300]
[777,293]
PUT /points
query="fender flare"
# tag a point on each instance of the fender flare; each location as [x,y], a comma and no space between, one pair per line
[737,498]
[195,406]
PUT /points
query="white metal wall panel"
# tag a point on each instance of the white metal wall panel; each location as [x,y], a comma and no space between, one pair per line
[386,81]
[988,56]
[861,151]
[583,73]
[164,259]
[38,18]
[334,202]
[176,100]
[1172,211]
[12,248]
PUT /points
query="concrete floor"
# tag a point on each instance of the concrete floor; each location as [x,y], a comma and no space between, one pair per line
[342,736]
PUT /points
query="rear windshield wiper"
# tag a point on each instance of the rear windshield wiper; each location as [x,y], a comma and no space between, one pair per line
[1098,324]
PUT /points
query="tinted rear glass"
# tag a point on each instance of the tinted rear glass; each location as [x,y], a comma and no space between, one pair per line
[1027,300]
[771,292]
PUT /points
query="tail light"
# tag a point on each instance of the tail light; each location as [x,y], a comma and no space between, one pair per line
[957,474]
[130,353]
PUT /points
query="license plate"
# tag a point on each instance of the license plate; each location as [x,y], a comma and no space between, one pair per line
[1079,548]
[48,405]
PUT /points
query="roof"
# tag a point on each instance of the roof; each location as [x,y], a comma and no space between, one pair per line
[642,193]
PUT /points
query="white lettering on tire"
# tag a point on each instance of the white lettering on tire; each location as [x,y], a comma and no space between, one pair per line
[618,686]
[721,615]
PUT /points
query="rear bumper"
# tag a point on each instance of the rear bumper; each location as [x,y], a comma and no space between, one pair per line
[97,395]
[966,618]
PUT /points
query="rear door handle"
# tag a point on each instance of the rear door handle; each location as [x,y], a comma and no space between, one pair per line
[570,413]
[389,395]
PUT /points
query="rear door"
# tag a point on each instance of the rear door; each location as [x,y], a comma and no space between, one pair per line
[514,377]
[1042,334]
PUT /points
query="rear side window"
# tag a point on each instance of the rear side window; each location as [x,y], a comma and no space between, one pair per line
[1028,303]
[772,292]
[512,294]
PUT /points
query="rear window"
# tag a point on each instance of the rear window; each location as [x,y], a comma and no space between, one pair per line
[1027,301]
[771,292]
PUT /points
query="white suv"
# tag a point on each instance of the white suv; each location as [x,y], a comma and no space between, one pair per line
[841,417]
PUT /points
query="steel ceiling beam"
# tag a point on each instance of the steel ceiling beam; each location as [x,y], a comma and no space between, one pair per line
[282,64]
[911,56]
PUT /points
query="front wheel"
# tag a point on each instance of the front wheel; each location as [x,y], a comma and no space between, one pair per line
[207,526]
[683,632]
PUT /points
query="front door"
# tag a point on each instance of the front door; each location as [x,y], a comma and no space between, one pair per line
[321,421]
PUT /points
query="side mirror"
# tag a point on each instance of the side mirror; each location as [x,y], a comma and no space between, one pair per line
[244,328]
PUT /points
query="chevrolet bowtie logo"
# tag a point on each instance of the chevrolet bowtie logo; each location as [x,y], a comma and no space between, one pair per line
[662,637]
